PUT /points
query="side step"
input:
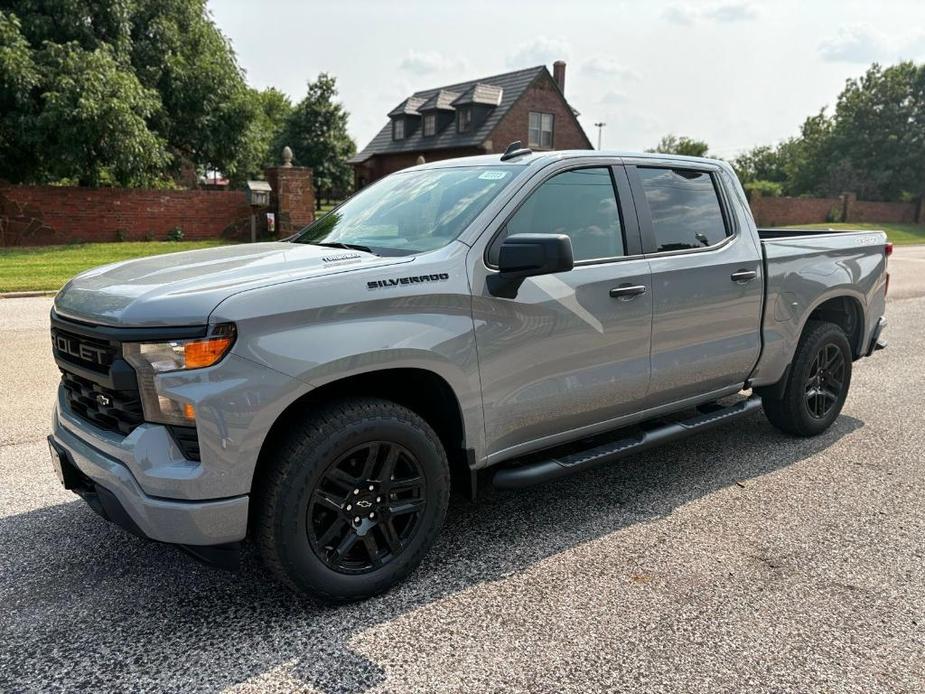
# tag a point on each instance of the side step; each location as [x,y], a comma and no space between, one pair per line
[546,470]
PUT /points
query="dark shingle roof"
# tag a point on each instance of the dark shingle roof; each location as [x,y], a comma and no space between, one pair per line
[480,93]
[511,85]
[408,107]
[442,100]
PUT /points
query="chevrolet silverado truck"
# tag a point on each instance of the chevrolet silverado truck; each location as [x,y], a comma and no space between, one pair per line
[511,318]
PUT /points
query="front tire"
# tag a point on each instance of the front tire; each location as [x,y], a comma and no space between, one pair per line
[817,384]
[354,499]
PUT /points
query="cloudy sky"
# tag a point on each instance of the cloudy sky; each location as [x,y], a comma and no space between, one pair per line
[735,73]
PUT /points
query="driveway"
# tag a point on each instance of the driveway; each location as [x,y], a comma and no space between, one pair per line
[739,560]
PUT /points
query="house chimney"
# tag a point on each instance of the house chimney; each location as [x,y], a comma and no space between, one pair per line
[558,74]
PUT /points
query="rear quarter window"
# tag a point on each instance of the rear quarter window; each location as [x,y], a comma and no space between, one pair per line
[685,208]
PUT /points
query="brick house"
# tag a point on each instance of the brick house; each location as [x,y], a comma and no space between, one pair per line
[476,117]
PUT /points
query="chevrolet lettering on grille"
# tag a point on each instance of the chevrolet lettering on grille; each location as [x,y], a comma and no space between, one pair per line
[85,352]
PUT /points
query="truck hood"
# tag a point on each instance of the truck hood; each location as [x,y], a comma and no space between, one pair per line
[183,288]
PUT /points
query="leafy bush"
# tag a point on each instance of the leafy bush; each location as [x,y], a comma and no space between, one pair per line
[175,234]
[769,189]
[121,235]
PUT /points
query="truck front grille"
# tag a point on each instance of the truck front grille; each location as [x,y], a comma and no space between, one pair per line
[100,386]
[113,410]
[83,351]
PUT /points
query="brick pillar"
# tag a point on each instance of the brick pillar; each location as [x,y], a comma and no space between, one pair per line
[847,210]
[292,198]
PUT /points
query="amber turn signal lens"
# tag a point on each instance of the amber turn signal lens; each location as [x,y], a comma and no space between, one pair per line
[189,411]
[205,352]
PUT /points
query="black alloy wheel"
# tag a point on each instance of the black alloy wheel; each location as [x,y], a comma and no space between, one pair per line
[814,389]
[825,382]
[366,508]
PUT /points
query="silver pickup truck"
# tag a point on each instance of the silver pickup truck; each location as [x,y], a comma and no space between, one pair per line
[510,318]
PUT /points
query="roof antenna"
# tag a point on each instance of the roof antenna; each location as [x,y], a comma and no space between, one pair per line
[515,149]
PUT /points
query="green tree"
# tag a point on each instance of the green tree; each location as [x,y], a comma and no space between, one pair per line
[877,137]
[873,144]
[19,75]
[207,107]
[316,130]
[762,163]
[159,71]
[672,144]
[256,150]
[93,120]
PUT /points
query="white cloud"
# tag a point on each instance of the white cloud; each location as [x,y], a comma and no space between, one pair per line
[542,50]
[687,14]
[915,48]
[603,67]
[858,43]
[614,99]
[427,62]
[680,14]
[731,12]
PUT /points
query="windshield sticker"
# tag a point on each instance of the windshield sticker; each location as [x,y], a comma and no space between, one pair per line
[493,175]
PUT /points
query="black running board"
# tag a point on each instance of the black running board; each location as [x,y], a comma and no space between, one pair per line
[553,468]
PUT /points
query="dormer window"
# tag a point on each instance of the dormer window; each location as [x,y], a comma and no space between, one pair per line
[398,129]
[430,124]
[464,120]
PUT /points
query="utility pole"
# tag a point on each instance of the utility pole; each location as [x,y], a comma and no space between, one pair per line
[600,126]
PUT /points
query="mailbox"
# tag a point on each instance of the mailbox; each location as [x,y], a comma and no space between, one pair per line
[258,193]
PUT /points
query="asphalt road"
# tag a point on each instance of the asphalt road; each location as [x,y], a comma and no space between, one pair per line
[739,560]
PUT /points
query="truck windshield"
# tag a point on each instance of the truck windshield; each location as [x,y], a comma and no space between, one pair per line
[411,212]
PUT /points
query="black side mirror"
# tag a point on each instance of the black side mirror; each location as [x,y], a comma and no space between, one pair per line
[529,255]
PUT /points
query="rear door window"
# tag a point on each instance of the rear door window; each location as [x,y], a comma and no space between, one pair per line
[685,208]
[582,204]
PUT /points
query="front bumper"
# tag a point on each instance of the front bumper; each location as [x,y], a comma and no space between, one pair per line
[111,489]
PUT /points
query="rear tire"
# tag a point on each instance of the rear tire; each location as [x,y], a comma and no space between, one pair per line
[354,499]
[817,384]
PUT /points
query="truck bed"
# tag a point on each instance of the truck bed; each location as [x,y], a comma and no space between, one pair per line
[804,268]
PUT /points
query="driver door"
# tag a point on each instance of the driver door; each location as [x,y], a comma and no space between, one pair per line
[571,351]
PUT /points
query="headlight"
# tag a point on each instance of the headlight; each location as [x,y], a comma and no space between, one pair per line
[151,358]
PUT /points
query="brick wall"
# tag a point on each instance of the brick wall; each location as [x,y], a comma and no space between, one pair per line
[783,211]
[543,96]
[40,215]
[883,212]
[779,212]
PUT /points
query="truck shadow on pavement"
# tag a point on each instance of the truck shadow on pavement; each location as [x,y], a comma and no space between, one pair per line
[85,605]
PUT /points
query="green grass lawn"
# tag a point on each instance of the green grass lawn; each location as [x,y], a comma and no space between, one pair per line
[49,267]
[897,233]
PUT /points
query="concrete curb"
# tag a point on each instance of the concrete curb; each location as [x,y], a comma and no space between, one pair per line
[25,295]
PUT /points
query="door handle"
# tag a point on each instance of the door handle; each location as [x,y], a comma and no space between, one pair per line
[744,276]
[625,292]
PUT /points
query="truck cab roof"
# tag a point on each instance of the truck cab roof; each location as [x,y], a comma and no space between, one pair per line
[539,158]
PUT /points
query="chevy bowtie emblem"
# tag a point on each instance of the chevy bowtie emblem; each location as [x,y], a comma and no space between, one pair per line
[364,503]
[103,401]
